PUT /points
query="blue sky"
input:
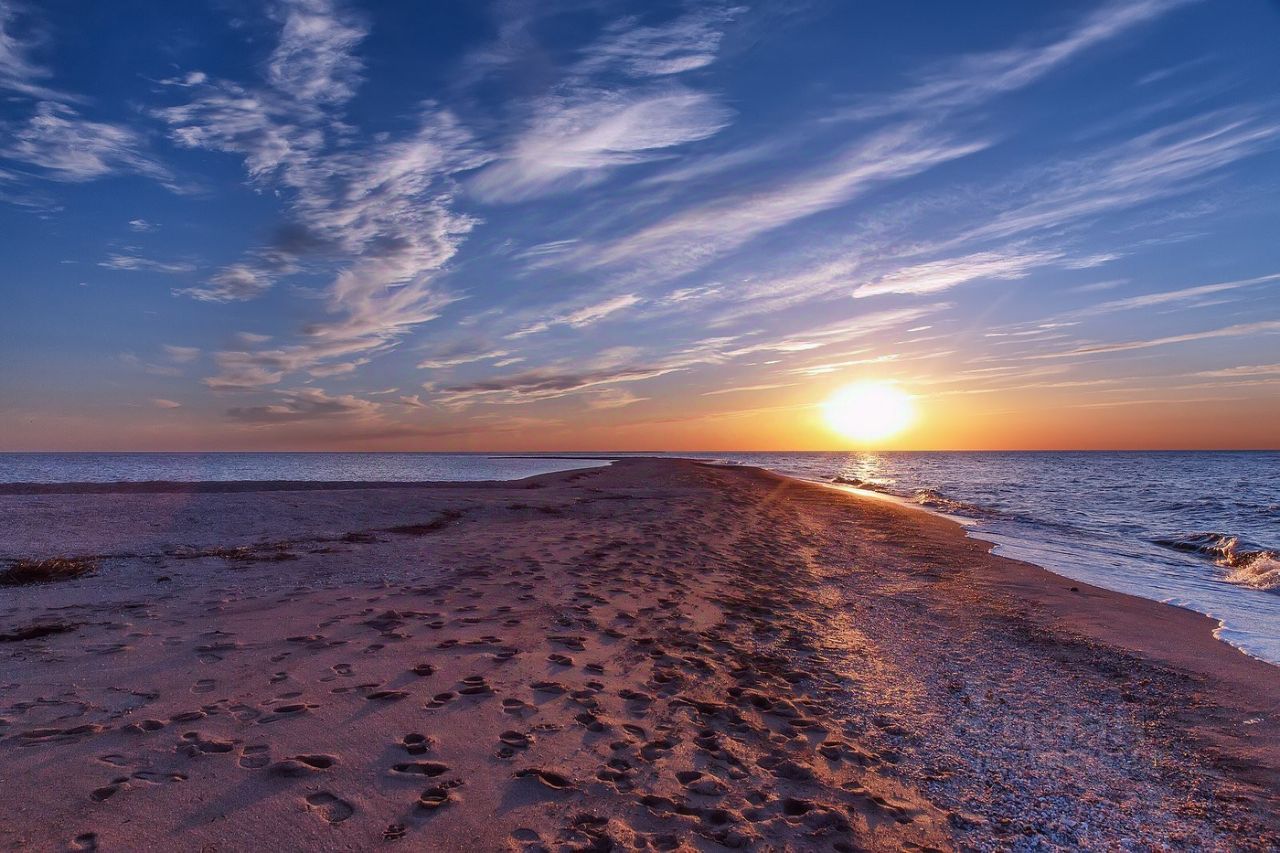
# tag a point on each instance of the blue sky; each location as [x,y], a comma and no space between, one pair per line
[313,224]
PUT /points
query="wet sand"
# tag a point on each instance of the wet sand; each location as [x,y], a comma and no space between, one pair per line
[654,655]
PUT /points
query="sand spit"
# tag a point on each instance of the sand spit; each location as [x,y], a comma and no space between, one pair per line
[654,655]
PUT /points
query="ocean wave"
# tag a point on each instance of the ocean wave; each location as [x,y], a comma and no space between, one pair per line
[868,485]
[1246,564]
[1262,571]
[934,499]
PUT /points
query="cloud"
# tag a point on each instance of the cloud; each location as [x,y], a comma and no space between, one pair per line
[745,388]
[182,355]
[613,398]
[574,139]
[691,238]
[617,106]
[314,59]
[382,210]
[340,368]
[456,353]
[18,72]
[142,225]
[975,78]
[1186,294]
[1164,162]
[161,403]
[945,274]
[1242,370]
[134,263]
[580,317]
[545,384]
[1238,330]
[69,148]
[304,404]
[235,283]
[686,43]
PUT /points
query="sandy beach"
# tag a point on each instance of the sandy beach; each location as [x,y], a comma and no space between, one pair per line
[657,655]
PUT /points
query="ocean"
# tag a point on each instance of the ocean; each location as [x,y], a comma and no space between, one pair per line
[1197,529]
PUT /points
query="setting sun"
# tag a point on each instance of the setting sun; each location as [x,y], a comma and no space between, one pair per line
[869,411]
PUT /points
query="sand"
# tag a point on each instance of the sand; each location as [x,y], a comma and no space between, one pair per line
[653,655]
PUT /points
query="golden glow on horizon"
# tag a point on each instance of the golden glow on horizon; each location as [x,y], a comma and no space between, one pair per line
[869,411]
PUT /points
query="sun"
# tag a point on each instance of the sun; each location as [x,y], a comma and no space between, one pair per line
[869,411]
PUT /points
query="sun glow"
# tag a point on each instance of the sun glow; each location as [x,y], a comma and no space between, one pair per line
[869,411]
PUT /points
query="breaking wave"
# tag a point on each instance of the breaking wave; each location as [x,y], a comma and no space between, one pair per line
[1245,564]
[933,499]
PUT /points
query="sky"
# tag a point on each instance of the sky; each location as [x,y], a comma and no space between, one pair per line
[594,224]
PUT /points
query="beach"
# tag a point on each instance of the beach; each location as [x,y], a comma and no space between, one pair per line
[657,654]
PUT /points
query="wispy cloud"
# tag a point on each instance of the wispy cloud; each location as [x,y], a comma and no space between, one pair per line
[692,237]
[976,78]
[574,139]
[19,73]
[1167,297]
[945,274]
[1242,370]
[133,262]
[235,283]
[544,384]
[304,404]
[1239,330]
[617,106]
[182,355]
[686,43]
[579,317]
[383,211]
[456,353]
[314,61]
[64,146]
[1158,164]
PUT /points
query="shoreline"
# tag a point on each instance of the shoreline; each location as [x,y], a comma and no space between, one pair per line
[658,653]
[1015,549]
[966,525]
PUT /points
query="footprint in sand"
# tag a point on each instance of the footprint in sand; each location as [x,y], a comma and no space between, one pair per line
[144,726]
[441,699]
[197,744]
[302,765]
[84,841]
[204,685]
[283,712]
[106,792]
[421,768]
[329,807]
[549,778]
[255,757]
[415,744]
[437,796]
[475,685]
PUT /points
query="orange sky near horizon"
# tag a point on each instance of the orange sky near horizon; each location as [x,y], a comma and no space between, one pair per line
[783,419]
